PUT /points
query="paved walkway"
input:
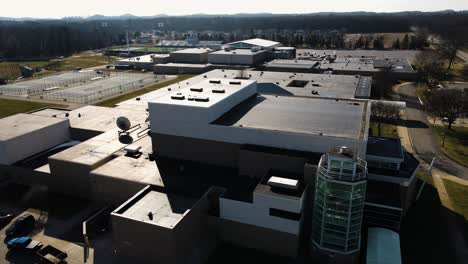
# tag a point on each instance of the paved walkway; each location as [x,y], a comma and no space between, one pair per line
[421,135]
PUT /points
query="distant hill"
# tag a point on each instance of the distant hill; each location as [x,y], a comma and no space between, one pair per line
[202,15]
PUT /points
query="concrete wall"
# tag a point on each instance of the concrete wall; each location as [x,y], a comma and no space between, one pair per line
[179,57]
[224,148]
[257,213]
[34,142]
[239,59]
[264,239]
[110,190]
[192,240]
[257,164]
[168,69]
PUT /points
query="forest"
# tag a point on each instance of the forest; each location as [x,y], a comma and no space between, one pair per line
[49,38]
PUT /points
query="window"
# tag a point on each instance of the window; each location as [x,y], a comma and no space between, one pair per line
[285,214]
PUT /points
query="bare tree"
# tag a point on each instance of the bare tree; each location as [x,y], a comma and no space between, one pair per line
[429,64]
[448,50]
[447,104]
[382,112]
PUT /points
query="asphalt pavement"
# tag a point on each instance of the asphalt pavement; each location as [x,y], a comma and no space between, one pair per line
[422,137]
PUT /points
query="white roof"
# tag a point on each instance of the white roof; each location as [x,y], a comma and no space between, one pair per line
[259,42]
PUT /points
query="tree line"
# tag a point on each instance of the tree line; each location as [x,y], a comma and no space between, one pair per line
[48,38]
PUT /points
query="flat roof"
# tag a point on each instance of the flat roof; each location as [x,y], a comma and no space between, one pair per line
[331,85]
[144,58]
[384,147]
[298,64]
[183,65]
[410,54]
[22,124]
[319,116]
[166,209]
[347,66]
[192,51]
[237,52]
[95,118]
[96,149]
[132,169]
[205,89]
[258,42]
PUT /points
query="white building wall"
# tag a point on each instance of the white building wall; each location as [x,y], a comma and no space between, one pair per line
[27,145]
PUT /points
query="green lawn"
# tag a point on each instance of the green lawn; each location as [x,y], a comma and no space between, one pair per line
[113,101]
[458,194]
[456,142]
[82,61]
[9,70]
[387,130]
[12,107]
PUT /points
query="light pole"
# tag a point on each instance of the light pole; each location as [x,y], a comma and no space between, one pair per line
[444,133]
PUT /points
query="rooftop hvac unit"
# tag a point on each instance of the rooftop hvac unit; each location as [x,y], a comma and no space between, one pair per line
[132,149]
[202,99]
[285,183]
[178,96]
[218,91]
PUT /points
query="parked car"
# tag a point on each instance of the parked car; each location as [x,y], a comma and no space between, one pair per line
[24,243]
[5,219]
[22,225]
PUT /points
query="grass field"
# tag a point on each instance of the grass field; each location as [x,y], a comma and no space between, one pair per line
[387,130]
[113,101]
[11,107]
[10,70]
[458,194]
[82,61]
[456,142]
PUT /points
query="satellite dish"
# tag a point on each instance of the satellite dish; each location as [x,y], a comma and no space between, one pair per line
[123,123]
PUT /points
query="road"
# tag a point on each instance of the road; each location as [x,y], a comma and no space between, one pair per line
[422,137]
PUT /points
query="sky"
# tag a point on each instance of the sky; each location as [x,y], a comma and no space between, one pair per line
[65,8]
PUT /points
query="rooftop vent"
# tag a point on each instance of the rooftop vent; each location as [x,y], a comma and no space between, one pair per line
[132,150]
[215,81]
[202,99]
[196,90]
[178,97]
[218,91]
[235,82]
[285,183]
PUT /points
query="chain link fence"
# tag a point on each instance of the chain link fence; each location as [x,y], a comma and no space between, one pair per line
[96,93]
[46,84]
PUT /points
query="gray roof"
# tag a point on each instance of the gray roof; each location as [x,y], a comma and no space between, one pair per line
[166,209]
[320,116]
[384,147]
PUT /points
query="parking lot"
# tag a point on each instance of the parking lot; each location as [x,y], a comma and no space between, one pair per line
[58,223]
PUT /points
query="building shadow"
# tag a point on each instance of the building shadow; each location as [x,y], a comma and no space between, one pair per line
[431,233]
